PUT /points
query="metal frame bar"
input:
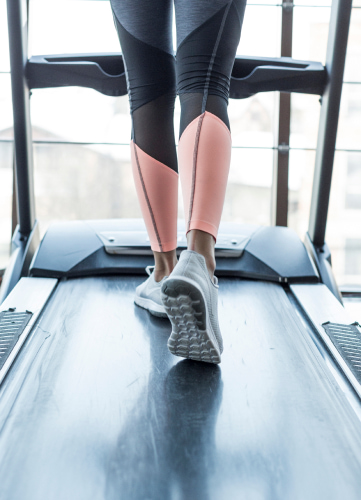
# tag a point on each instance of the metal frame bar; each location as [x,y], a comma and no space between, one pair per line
[17,11]
[335,63]
[25,238]
[14,208]
[326,143]
[281,156]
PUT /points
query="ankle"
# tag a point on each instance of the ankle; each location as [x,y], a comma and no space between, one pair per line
[211,266]
[203,243]
[159,274]
[165,262]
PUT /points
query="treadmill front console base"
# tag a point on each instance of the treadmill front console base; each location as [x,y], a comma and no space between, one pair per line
[121,246]
[137,243]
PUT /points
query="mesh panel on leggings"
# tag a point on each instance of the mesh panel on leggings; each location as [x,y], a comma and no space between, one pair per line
[192,108]
[153,130]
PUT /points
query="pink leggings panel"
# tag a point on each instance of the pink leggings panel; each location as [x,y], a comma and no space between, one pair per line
[204,156]
[157,190]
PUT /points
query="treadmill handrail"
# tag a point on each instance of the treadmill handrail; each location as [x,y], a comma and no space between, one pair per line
[105,73]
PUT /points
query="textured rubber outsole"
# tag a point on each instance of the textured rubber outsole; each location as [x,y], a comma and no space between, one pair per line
[192,336]
[154,308]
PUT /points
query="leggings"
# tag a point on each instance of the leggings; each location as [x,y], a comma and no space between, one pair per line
[208,33]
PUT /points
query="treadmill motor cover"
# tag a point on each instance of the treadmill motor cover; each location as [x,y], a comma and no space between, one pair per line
[121,246]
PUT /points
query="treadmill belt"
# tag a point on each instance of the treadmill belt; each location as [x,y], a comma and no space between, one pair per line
[95,406]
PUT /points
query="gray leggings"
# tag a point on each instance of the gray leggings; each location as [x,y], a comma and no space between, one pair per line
[208,33]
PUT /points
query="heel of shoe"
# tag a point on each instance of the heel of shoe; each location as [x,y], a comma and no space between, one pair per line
[192,336]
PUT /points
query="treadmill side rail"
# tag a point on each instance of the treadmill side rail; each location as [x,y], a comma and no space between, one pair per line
[29,296]
[323,308]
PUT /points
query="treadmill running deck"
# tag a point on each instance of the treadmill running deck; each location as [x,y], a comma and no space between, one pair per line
[96,407]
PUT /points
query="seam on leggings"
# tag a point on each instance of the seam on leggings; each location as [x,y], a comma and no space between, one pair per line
[201,118]
[211,62]
[194,169]
[147,199]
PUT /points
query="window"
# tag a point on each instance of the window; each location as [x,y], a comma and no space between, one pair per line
[81,137]
[353,256]
[353,188]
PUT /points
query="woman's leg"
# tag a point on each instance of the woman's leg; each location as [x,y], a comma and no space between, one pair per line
[208,35]
[145,33]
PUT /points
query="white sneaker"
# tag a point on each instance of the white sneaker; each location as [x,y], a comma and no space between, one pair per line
[147,295]
[191,301]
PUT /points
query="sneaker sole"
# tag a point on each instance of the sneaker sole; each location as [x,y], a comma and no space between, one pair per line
[192,336]
[154,308]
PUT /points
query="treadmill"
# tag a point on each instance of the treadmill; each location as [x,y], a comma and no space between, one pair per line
[93,405]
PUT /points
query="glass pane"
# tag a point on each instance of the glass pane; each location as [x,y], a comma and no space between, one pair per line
[82,115]
[6,113]
[83,182]
[6,162]
[48,38]
[87,25]
[261,32]
[253,120]
[353,66]
[310,33]
[343,227]
[272,3]
[353,305]
[4,42]
[349,126]
[311,3]
[6,190]
[305,115]
[300,190]
[248,196]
